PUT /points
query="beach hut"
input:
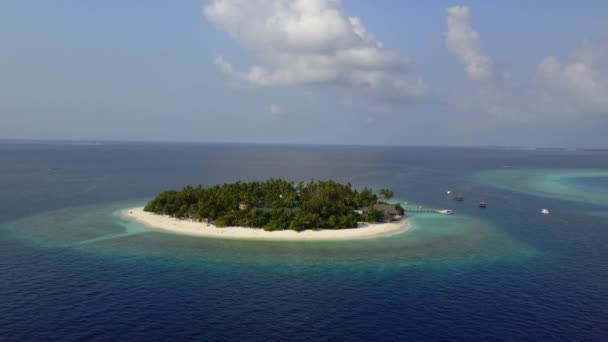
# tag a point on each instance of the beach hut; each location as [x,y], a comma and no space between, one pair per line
[388,212]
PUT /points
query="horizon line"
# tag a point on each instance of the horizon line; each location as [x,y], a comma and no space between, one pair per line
[193,142]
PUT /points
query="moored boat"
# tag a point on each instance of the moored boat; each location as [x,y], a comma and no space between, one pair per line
[444,211]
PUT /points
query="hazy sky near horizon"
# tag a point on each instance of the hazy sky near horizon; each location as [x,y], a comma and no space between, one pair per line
[306,71]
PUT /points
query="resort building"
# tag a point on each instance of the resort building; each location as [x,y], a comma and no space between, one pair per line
[388,212]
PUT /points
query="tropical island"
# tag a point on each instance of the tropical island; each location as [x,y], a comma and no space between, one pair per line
[275,209]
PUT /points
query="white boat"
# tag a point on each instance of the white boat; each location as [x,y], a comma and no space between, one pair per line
[545,211]
[444,211]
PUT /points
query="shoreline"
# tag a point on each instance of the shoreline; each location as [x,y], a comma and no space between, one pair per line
[200,229]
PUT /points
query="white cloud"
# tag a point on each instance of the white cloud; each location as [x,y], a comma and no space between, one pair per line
[275,111]
[274,108]
[559,90]
[581,83]
[223,65]
[311,42]
[462,41]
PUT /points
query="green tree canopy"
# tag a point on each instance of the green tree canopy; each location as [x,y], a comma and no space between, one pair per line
[386,194]
[274,204]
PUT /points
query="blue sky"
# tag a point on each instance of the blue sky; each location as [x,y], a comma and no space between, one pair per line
[502,73]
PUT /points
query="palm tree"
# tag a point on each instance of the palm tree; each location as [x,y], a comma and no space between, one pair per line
[386,194]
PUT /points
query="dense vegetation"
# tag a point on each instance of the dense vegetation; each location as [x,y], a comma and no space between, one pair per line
[274,204]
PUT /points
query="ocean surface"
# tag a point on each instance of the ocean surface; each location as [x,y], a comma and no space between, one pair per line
[71,269]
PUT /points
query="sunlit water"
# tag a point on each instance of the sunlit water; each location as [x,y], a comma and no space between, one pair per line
[73,269]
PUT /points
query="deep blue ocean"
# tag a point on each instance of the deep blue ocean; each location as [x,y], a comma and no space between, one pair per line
[71,269]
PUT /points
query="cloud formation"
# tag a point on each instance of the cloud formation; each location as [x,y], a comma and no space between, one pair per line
[463,42]
[558,90]
[304,42]
[582,82]
[275,111]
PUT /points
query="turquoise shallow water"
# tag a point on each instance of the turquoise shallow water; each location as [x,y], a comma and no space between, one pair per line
[582,185]
[71,269]
[432,238]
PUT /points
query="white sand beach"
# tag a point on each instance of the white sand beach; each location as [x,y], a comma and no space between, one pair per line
[193,228]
